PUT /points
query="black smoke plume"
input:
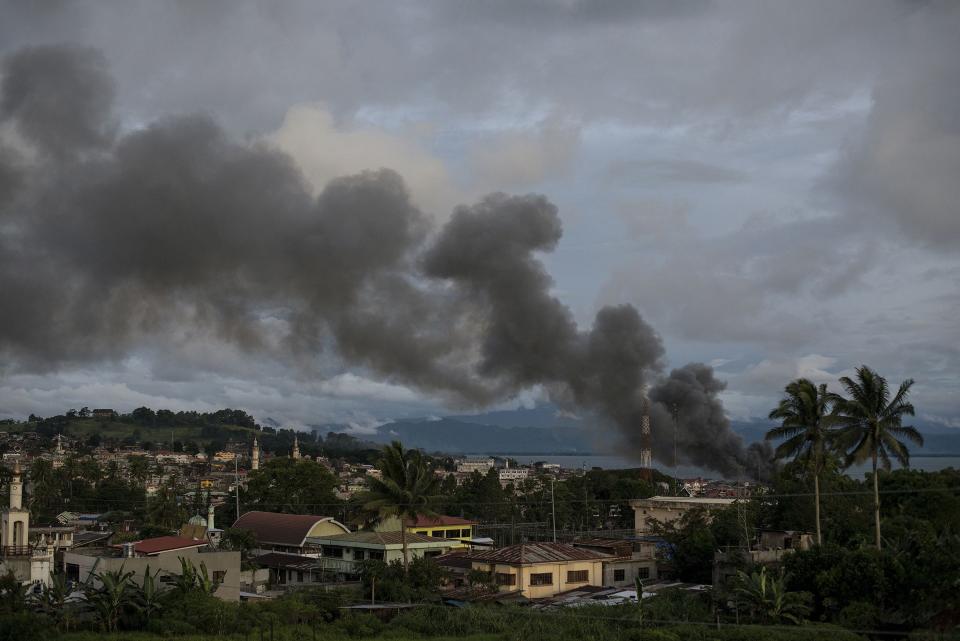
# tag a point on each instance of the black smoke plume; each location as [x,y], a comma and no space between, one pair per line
[176,232]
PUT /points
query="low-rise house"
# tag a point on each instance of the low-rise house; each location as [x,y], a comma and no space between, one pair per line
[342,552]
[533,570]
[471,465]
[289,533]
[629,560]
[294,570]
[453,528]
[161,553]
[770,549]
[666,509]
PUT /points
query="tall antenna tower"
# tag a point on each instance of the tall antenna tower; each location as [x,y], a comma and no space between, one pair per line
[646,443]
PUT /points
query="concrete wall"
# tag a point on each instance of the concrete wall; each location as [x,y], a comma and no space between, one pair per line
[168,564]
[667,510]
[558,570]
[631,570]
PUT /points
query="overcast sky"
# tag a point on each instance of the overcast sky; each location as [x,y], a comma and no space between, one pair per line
[774,185]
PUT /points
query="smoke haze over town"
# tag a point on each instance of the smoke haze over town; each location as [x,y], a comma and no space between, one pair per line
[205,208]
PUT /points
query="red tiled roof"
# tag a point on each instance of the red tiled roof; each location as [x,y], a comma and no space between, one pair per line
[165,544]
[282,529]
[526,553]
[439,520]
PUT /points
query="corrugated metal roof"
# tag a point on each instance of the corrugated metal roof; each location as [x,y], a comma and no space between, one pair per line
[379,538]
[165,544]
[282,529]
[529,553]
[288,561]
[439,520]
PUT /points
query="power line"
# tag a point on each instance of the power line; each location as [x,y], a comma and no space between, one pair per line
[570,501]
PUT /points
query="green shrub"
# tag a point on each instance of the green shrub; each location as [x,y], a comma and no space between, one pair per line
[358,626]
[23,626]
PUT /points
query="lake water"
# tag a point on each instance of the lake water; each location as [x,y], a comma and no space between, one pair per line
[611,462]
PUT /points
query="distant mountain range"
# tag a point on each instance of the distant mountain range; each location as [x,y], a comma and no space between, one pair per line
[546,430]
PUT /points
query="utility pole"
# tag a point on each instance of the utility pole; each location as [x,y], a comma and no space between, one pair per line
[676,430]
[236,481]
[553,511]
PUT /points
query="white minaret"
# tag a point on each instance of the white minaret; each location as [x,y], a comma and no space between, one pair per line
[59,449]
[15,521]
[296,448]
[255,462]
[210,517]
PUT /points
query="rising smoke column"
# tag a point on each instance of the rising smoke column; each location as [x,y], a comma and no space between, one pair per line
[176,232]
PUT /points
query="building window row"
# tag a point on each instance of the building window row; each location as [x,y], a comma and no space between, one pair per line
[578,576]
[545,578]
[505,578]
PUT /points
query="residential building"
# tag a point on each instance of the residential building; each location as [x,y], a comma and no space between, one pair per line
[342,552]
[666,509]
[289,533]
[769,550]
[161,553]
[453,528]
[471,465]
[513,474]
[627,562]
[294,570]
[534,570]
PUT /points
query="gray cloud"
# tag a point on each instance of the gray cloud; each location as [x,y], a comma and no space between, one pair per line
[58,97]
[654,172]
[903,167]
[177,229]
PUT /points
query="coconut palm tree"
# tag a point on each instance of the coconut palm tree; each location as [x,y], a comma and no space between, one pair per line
[408,488]
[805,424]
[871,425]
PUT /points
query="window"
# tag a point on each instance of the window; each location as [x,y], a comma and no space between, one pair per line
[504,578]
[299,577]
[358,555]
[452,534]
[578,576]
[437,533]
[465,533]
[334,552]
[619,575]
[376,555]
[643,573]
[432,553]
[545,578]
[219,575]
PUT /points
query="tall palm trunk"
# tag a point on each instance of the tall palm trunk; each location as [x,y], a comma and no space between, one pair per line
[876,498]
[816,499]
[406,551]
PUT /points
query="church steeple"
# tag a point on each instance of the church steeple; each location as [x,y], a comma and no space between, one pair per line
[296,448]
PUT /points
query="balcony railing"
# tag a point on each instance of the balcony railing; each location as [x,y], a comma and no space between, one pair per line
[16,550]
